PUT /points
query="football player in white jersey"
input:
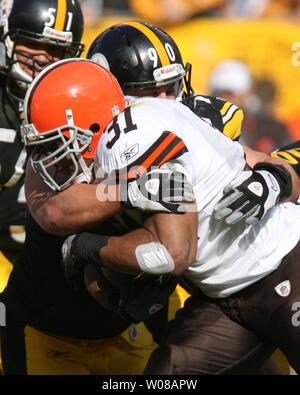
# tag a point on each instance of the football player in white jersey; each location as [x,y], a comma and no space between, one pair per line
[206,249]
[229,263]
[135,52]
[225,116]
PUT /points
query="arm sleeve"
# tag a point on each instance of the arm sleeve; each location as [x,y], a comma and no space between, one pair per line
[291,154]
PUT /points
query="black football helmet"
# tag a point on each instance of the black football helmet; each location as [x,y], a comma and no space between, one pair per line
[141,55]
[54,23]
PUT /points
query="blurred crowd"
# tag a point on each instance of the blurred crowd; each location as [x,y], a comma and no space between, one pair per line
[232,80]
[169,12]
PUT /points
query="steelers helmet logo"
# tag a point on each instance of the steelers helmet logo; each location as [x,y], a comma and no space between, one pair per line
[100,59]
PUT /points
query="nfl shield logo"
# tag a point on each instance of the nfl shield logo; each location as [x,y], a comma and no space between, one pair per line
[284,288]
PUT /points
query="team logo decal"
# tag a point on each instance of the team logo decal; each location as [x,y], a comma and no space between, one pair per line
[152,186]
[6,7]
[115,110]
[283,289]
[133,332]
[100,59]
[155,308]
[256,188]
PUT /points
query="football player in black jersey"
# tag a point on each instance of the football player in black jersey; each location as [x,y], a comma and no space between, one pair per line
[34,34]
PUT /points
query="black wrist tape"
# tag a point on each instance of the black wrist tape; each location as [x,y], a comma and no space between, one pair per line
[86,246]
[282,176]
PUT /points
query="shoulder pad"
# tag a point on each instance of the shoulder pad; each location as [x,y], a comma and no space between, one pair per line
[223,115]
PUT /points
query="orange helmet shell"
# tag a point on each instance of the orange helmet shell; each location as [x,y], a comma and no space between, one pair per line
[78,86]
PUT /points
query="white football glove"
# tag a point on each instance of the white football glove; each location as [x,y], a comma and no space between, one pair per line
[248,197]
[163,189]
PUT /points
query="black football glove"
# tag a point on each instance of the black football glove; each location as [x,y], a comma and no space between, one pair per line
[144,296]
[79,250]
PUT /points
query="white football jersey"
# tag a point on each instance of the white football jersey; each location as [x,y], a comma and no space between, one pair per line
[152,131]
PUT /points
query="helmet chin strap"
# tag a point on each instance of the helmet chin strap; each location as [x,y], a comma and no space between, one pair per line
[22,79]
[87,170]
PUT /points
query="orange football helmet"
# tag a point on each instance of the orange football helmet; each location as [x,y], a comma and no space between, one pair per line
[69,103]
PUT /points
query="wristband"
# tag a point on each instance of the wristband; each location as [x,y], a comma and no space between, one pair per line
[282,176]
[86,246]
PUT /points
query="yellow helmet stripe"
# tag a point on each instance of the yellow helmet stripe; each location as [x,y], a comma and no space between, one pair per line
[157,44]
[60,15]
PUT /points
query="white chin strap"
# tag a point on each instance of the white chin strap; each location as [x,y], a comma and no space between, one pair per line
[16,70]
[85,168]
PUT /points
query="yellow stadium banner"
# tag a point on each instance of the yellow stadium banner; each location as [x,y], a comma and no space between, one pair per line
[270,48]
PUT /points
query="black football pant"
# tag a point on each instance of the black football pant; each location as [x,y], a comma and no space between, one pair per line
[235,335]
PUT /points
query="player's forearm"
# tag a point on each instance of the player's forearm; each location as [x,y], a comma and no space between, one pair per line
[167,244]
[179,236]
[119,253]
[76,209]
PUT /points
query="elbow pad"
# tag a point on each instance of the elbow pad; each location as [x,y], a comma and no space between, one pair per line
[154,258]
